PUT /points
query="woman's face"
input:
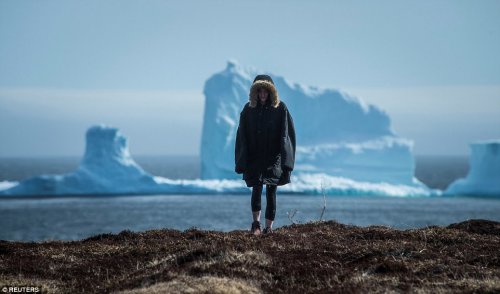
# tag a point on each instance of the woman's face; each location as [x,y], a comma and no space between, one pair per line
[263,95]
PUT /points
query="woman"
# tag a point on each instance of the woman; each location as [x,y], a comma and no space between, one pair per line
[265,147]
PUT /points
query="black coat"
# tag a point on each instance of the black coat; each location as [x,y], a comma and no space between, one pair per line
[265,145]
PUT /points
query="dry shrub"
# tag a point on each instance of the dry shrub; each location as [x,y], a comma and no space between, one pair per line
[204,284]
[233,259]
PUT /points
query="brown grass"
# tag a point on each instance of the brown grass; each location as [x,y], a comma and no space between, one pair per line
[205,284]
[314,257]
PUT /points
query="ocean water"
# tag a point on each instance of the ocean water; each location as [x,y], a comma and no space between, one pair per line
[73,218]
[70,218]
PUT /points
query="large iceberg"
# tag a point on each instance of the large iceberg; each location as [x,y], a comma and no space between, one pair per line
[337,134]
[107,168]
[344,147]
[483,178]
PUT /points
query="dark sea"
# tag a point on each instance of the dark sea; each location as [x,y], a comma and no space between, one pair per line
[74,218]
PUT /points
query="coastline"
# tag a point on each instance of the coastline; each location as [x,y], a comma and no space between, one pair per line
[312,257]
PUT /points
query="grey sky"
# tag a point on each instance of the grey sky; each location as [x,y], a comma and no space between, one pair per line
[140,66]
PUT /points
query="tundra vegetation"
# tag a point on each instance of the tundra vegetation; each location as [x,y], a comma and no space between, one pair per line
[312,257]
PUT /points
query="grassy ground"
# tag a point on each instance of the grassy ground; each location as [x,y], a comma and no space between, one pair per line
[314,257]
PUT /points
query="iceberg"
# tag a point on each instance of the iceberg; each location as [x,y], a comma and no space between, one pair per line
[344,147]
[483,178]
[107,168]
[7,184]
[337,134]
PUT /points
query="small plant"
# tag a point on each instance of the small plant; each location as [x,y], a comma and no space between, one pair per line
[291,215]
[324,201]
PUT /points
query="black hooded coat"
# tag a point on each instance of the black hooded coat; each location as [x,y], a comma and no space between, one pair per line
[265,141]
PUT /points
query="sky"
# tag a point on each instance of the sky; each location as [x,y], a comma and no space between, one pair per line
[140,66]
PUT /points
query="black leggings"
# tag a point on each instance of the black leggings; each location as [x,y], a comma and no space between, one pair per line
[271,200]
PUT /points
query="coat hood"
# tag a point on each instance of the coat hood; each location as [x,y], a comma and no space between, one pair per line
[263,81]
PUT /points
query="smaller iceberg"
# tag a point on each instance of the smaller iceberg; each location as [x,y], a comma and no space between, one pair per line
[483,178]
[108,169]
